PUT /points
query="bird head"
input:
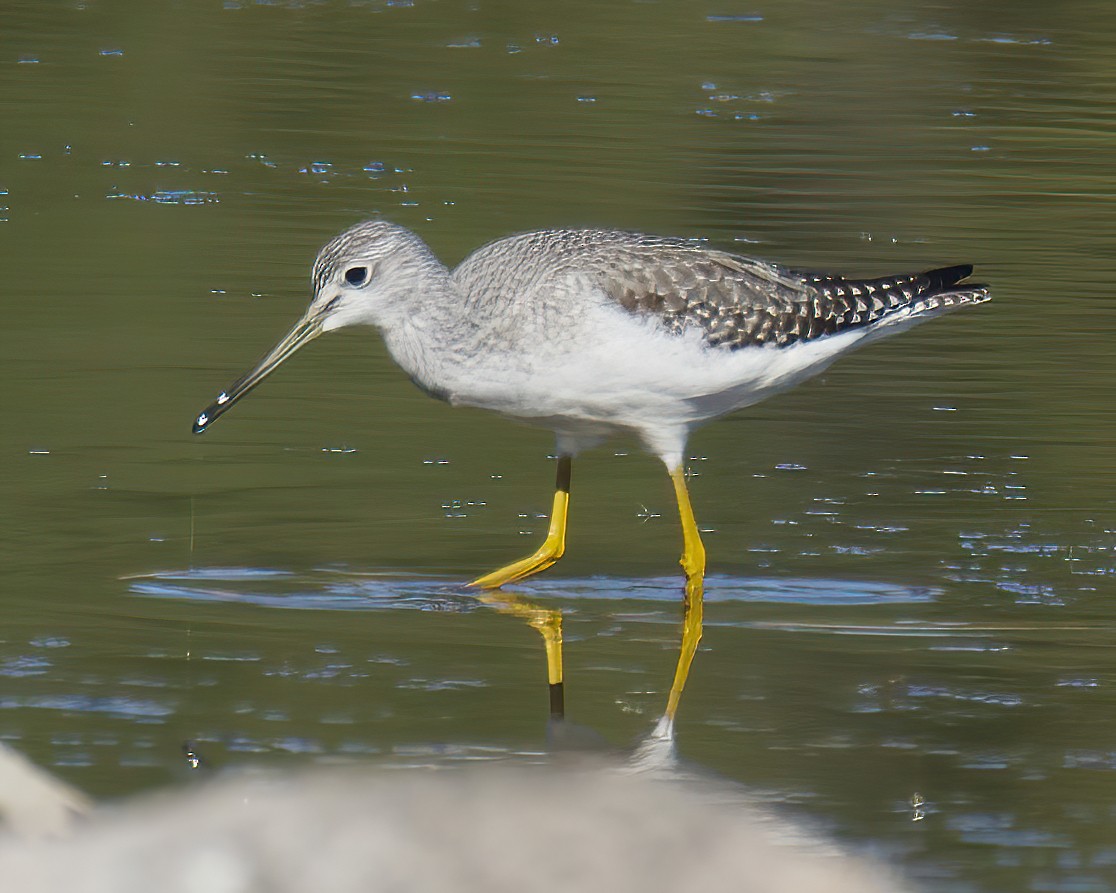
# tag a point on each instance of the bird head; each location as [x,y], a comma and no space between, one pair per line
[361,276]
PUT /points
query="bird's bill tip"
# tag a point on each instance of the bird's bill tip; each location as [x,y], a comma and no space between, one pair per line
[201,422]
[307,329]
[205,418]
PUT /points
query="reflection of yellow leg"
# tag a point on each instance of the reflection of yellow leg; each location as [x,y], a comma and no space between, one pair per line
[551,549]
[549,624]
[547,621]
[693,563]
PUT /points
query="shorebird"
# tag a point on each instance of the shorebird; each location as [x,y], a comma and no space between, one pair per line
[591,333]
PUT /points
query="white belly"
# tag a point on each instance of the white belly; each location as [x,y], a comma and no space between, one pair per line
[614,371]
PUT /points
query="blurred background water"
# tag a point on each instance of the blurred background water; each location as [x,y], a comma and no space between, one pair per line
[910,610]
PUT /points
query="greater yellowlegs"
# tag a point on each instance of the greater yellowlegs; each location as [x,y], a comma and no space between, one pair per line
[595,332]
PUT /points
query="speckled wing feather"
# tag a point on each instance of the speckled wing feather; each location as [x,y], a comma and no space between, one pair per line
[739,302]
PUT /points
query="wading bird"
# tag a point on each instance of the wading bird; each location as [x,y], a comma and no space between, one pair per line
[591,333]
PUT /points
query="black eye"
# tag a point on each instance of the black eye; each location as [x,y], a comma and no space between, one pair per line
[356,275]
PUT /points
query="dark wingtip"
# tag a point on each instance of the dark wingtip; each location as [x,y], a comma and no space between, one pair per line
[946,277]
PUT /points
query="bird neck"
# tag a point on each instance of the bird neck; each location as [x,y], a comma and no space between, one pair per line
[433,332]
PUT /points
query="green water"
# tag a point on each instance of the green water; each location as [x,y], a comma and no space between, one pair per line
[911,558]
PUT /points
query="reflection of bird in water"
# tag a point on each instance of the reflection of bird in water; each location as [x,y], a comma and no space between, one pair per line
[594,332]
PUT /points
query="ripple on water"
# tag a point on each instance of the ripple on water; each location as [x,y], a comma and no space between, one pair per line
[50,642]
[327,591]
[723,588]
[331,590]
[910,696]
[117,707]
[748,18]
[170,197]
[1000,829]
[25,665]
[431,685]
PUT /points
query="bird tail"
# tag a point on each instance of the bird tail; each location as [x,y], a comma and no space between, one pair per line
[919,294]
[947,289]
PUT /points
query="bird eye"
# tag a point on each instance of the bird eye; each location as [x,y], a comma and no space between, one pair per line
[356,275]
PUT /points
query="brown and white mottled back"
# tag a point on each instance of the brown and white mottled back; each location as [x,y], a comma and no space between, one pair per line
[732,300]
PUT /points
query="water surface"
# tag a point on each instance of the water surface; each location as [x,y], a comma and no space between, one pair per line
[910,605]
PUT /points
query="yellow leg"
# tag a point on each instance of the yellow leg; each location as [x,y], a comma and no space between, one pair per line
[693,563]
[547,621]
[551,549]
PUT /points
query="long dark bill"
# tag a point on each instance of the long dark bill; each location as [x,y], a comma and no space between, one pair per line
[305,330]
